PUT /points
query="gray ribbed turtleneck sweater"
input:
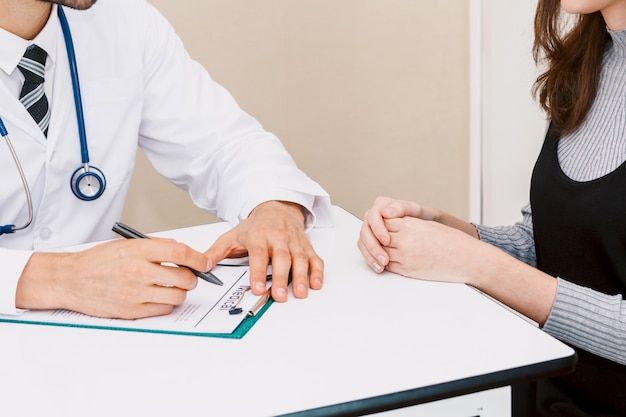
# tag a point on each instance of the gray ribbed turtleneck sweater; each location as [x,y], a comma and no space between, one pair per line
[580,316]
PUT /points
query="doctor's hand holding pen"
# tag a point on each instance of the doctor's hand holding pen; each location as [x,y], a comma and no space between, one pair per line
[128,279]
[116,279]
[274,231]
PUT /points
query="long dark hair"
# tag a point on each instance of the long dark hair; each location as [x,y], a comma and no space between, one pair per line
[573,54]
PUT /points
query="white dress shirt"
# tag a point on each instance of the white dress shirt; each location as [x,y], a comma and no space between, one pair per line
[139,88]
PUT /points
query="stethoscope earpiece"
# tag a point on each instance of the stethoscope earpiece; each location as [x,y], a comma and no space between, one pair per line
[88,183]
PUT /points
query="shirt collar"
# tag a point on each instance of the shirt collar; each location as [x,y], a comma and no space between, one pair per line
[12,47]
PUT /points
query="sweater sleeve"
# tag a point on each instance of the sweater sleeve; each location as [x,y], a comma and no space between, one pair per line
[580,316]
[517,240]
[590,320]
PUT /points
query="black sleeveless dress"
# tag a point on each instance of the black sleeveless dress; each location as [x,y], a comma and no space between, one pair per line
[580,236]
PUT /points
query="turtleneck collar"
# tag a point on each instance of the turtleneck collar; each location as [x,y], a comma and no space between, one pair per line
[619,39]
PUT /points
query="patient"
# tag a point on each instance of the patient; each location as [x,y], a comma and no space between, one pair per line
[563,263]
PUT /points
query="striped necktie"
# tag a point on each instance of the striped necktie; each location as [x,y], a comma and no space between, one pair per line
[32,95]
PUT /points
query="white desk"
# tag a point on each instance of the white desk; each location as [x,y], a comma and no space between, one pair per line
[366,342]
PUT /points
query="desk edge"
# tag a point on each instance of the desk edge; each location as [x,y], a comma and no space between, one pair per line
[445,390]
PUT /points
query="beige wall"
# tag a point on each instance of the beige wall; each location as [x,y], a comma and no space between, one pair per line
[369,96]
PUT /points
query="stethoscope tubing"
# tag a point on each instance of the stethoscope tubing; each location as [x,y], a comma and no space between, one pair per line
[85,176]
[11,228]
[78,102]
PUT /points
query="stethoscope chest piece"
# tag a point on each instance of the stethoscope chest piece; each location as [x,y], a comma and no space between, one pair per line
[88,183]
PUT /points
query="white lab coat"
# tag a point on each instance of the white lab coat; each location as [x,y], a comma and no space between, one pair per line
[139,87]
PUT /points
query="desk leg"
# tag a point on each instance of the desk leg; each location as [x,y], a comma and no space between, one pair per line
[523,397]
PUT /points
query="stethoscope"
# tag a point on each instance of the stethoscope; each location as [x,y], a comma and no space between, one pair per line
[87,182]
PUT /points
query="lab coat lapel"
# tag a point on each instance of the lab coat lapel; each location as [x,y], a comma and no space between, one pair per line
[63,125]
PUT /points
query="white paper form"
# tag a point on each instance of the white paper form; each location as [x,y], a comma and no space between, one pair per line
[206,309]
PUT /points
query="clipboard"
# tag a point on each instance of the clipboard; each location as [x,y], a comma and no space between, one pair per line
[238,333]
[204,313]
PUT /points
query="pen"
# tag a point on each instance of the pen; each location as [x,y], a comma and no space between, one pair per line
[260,302]
[130,233]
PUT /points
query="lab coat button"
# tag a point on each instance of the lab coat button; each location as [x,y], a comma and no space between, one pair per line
[45,233]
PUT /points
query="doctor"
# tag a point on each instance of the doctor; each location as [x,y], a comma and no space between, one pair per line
[135,86]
